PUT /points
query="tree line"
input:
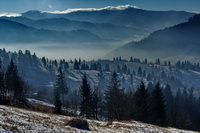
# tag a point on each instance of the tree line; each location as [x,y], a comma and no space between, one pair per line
[180,110]
[153,104]
[13,89]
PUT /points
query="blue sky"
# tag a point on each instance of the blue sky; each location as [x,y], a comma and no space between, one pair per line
[20,6]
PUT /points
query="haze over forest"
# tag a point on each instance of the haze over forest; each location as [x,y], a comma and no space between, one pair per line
[106,65]
[90,33]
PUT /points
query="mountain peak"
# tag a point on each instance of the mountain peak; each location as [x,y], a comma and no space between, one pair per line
[120,7]
[32,11]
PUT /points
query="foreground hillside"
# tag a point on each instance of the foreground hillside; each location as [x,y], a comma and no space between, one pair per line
[20,120]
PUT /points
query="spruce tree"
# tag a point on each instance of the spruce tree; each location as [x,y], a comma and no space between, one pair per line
[3,90]
[139,71]
[158,106]
[57,102]
[95,103]
[11,74]
[169,103]
[44,62]
[150,87]
[141,101]
[61,84]
[14,83]
[86,94]
[76,65]
[114,97]
[118,69]
[179,113]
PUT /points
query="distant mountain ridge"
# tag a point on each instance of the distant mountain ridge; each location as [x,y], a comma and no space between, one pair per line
[130,16]
[180,40]
[104,30]
[14,32]
[122,23]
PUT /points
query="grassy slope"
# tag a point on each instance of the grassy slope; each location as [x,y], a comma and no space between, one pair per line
[20,120]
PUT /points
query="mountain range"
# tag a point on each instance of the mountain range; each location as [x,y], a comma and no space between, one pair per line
[178,40]
[14,32]
[117,24]
[129,16]
[106,28]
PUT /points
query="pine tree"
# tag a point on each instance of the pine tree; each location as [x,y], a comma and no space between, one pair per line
[114,97]
[86,94]
[3,90]
[14,83]
[35,60]
[133,72]
[191,104]
[169,103]
[158,106]
[44,62]
[145,61]
[139,71]
[118,69]
[99,67]
[61,85]
[76,65]
[141,101]
[57,102]
[179,113]
[124,69]
[11,74]
[120,58]
[19,91]
[102,84]
[150,87]
[66,65]
[95,103]
[144,73]
[149,77]
[131,59]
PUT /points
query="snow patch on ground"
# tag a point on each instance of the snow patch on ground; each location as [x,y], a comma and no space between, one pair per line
[40,102]
[20,120]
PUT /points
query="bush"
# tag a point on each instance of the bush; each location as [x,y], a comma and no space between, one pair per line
[78,123]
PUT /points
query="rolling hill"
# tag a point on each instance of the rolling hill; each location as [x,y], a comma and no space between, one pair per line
[104,30]
[14,32]
[180,40]
[128,16]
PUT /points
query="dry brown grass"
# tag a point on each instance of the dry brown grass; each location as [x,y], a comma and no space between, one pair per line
[109,123]
[42,108]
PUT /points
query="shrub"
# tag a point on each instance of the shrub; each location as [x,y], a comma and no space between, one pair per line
[78,123]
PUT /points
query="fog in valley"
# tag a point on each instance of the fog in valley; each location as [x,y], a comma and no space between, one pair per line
[69,51]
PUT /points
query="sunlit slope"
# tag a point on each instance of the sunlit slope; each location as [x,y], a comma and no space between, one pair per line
[181,40]
[20,120]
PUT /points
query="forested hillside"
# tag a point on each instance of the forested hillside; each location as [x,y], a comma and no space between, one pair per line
[177,42]
[104,89]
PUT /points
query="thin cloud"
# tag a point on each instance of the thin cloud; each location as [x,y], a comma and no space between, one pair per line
[122,7]
[5,14]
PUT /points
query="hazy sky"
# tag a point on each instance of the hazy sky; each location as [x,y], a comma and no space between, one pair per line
[20,6]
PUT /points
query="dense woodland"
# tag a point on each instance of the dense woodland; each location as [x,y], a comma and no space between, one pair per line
[156,102]
[151,104]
